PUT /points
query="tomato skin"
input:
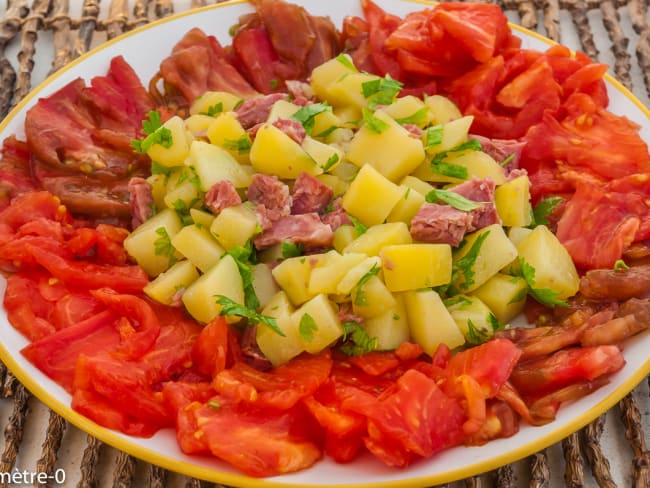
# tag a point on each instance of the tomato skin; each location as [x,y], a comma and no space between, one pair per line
[210,351]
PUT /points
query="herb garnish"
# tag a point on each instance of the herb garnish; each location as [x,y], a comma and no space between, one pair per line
[155,134]
[452,199]
[230,307]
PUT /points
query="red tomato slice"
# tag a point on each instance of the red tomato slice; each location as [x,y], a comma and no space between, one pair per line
[380,26]
[210,351]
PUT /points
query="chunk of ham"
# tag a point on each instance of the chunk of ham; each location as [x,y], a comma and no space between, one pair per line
[271,193]
[221,195]
[440,224]
[140,201]
[307,229]
[481,191]
[292,128]
[309,194]
[502,149]
[256,110]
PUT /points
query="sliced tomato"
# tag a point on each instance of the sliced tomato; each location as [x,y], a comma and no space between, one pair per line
[27,309]
[210,351]
[380,26]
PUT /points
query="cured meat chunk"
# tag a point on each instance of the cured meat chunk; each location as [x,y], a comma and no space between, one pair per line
[256,110]
[309,195]
[502,149]
[304,229]
[480,191]
[140,200]
[221,195]
[440,224]
[616,284]
[270,192]
[292,128]
[197,64]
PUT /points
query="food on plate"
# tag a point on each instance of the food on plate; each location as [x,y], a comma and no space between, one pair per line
[295,259]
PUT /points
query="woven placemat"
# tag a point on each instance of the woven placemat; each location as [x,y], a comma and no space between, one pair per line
[612,451]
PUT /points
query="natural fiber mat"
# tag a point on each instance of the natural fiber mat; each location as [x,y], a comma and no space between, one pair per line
[39,37]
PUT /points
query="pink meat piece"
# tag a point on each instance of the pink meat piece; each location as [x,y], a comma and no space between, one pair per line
[302,92]
[309,194]
[272,193]
[440,224]
[336,218]
[140,200]
[256,110]
[304,229]
[221,195]
[413,130]
[292,128]
[501,149]
[480,191]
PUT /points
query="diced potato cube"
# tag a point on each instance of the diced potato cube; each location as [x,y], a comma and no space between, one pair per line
[276,348]
[355,273]
[226,132]
[415,183]
[263,283]
[430,322]
[393,152]
[326,156]
[324,125]
[406,207]
[234,226]
[200,298]
[282,109]
[215,102]
[415,266]
[168,284]
[443,109]
[371,196]
[175,154]
[198,246]
[504,295]
[201,218]
[338,186]
[275,153]
[323,76]
[346,171]
[454,133]
[491,250]
[517,234]
[348,90]
[198,124]
[293,274]
[371,298]
[213,164]
[554,268]
[379,236]
[512,200]
[411,110]
[322,313]
[325,277]
[150,243]
[343,236]
[473,318]
[390,328]
[158,184]
[185,196]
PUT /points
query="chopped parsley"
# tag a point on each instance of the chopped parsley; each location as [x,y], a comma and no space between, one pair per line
[373,123]
[306,115]
[545,296]
[433,135]
[360,298]
[356,340]
[230,307]
[160,169]
[329,164]
[241,145]
[347,62]
[154,132]
[544,209]
[471,145]
[381,91]
[462,271]
[307,327]
[214,110]
[418,118]
[359,228]
[291,249]
[244,257]
[620,265]
[163,245]
[451,170]
[452,199]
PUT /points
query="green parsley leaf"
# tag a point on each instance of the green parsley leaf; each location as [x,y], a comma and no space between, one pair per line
[291,249]
[360,298]
[230,307]
[475,336]
[155,134]
[359,228]
[334,158]
[456,300]
[373,123]
[418,118]
[163,245]
[381,91]
[544,209]
[159,169]
[452,199]
[545,296]
[620,265]
[306,115]
[241,145]
[214,110]
[356,340]
[452,170]
[462,271]
[346,61]
[470,145]
[243,258]
[307,327]
[433,135]
[327,131]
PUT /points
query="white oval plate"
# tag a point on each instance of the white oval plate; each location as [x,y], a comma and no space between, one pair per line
[144,49]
